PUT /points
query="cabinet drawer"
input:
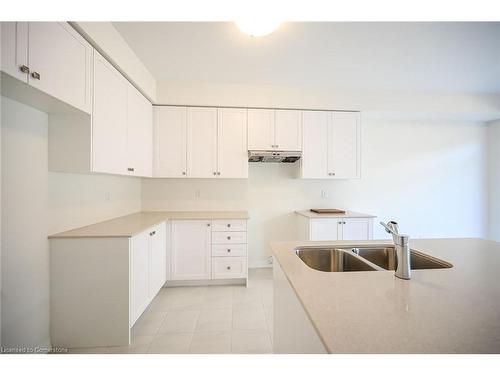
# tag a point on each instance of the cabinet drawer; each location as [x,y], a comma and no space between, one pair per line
[229,250]
[229,237]
[229,225]
[229,267]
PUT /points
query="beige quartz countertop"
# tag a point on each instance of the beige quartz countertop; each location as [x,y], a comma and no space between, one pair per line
[352,214]
[454,310]
[129,225]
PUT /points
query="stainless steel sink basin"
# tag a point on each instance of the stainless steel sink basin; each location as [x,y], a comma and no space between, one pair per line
[369,258]
[333,260]
[385,257]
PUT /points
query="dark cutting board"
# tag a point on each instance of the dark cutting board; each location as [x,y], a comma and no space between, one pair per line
[327,211]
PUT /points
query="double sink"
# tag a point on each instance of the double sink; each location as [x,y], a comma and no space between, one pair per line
[366,258]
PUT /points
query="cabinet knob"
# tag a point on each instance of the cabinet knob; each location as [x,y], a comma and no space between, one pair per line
[183,173]
[215,173]
[130,169]
[208,225]
[35,75]
[228,250]
[229,225]
[24,69]
[218,173]
[152,233]
[228,267]
[228,237]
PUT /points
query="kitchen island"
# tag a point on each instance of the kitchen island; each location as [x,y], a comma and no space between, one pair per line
[448,310]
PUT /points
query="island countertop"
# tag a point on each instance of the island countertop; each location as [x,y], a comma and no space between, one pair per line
[451,310]
[130,225]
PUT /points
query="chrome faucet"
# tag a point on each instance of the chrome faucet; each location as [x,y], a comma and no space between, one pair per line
[401,243]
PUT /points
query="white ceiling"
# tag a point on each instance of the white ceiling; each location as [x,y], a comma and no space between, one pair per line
[443,57]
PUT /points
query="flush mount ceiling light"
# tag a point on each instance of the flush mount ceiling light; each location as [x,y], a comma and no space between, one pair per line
[258,27]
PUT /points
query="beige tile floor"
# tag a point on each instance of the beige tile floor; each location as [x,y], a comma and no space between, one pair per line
[211,319]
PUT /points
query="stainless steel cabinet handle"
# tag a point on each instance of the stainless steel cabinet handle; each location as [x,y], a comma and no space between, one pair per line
[24,69]
[130,169]
[35,75]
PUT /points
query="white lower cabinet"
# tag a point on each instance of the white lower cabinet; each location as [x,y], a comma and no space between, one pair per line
[229,267]
[190,250]
[101,286]
[139,275]
[207,250]
[335,229]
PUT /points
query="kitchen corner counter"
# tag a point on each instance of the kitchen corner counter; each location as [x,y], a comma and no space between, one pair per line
[348,214]
[130,225]
[454,310]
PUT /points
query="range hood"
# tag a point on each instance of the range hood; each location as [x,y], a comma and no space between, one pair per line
[274,156]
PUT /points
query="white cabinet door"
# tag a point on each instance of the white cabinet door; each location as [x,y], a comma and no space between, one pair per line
[288,130]
[315,144]
[232,143]
[190,248]
[357,229]
[139,275]
[344,145]
[170,139]
[60,62]
[109,120]
[139,133]
[14,46]
[261,129]
[202,142]
[326,229]
[157,259]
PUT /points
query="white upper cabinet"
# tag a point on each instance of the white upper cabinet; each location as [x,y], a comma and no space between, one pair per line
[315,144]
[52,57]
[109,120]
[232,159]
[344,145]
[60,63]
[201,142]
[260,129]
[15,49]
[288,130]
[270,129]
[170,141]
[331,145]
[122,124]
[139,133]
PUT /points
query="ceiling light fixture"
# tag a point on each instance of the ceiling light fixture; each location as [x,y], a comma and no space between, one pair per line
[257,27]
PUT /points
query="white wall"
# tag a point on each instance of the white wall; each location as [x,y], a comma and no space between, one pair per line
[36,203]
[429,176]
[25,253]
[494,181]
[76,200]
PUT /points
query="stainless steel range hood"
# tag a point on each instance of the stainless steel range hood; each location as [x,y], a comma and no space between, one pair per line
[274,156]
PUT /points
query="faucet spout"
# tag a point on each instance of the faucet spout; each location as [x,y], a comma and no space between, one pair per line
[401,244]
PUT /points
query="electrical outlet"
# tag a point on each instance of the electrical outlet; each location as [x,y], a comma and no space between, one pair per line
[197,194]
[324,194]
[107,196]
